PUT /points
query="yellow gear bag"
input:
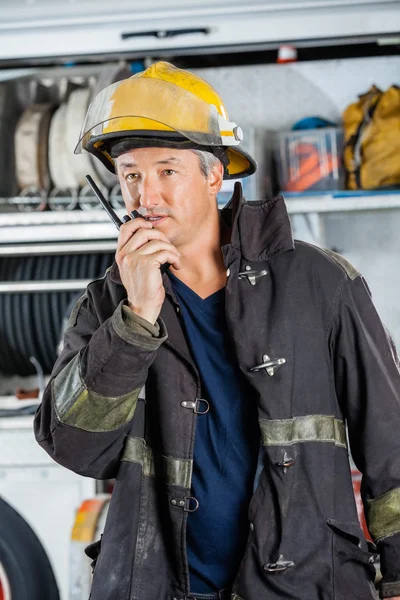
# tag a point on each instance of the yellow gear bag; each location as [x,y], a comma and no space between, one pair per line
[371,154]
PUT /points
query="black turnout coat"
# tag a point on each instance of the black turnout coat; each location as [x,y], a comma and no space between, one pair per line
[329,366]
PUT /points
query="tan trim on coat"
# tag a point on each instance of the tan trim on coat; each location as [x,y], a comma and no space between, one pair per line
[349,269]
[383,515]
[73,317]
[80,407]
[311,428]
[177,471]
[77,306]
[136,331]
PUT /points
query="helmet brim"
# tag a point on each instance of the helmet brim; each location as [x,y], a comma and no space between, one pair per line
[239,163]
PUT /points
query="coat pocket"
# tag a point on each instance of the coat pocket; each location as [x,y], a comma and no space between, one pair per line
[277,481]
[93,552]
[353,562]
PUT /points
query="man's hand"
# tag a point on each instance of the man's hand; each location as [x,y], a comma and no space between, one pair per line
[140,253]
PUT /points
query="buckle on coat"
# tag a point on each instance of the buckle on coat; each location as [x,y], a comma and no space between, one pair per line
[279,566]
[187,503]
[252,275]
[271,365]
[195,406]
[286,462]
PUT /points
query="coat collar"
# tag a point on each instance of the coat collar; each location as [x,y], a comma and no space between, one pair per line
[260,229]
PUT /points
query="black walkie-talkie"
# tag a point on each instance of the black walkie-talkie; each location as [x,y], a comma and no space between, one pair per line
[113,215]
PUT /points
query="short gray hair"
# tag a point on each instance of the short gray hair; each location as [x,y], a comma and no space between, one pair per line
[207,161]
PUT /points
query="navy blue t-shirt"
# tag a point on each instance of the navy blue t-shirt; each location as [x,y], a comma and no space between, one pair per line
[226,445]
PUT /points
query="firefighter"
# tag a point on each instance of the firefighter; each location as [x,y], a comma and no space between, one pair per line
[213,372]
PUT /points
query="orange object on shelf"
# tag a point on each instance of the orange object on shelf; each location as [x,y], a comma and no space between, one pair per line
[310,159]
[310,168]
[23,394]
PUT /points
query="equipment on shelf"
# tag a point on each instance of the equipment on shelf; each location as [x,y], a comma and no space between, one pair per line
[42,123]
[36,300]
[372,141]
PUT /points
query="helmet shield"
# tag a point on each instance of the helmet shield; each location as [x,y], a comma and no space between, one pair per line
[139,105]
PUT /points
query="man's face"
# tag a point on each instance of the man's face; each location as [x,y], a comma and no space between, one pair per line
[167,186]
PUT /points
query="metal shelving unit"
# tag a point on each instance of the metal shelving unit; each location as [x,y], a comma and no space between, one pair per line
[67,285]
[41,276]
[56,248]
[338,203]
[309,212]
[27,227]
[53,232]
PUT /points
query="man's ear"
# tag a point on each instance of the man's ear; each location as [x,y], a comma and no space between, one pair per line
[215,178]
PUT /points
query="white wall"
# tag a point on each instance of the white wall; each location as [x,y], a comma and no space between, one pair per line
[275,96]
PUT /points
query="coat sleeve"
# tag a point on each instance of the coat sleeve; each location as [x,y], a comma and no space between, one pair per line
[90,401]
[367,379]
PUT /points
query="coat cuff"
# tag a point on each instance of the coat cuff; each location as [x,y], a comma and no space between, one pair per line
[389,550]
[137,331]
[138,324]
[389,590]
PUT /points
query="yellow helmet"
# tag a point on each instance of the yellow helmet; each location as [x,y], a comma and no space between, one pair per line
[163,106]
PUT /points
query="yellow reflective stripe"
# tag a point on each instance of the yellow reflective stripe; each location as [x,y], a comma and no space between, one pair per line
[383,515]
[137,451]
[67,386]
[80,407]
[75,311]
[77,306]
[177,471]
[312,428]
[348,268]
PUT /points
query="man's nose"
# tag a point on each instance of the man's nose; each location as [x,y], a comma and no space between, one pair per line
[149,194]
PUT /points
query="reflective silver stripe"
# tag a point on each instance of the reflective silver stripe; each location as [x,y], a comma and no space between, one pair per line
[76,308]
[312,428]
[349,269]
[80,407]
[73,317]
[137,451]
[67,386]
[383,515]
[177,471]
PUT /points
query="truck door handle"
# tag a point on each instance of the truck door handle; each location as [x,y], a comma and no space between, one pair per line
[165,33]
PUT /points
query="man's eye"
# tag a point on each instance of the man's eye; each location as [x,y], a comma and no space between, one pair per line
[169,171]
[132,176]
